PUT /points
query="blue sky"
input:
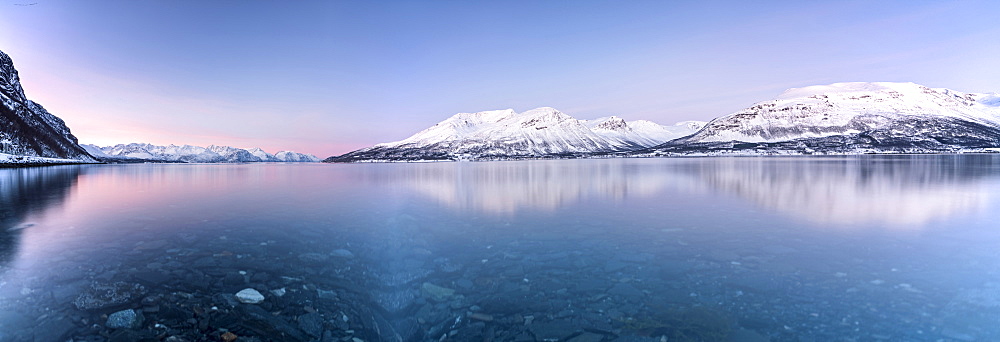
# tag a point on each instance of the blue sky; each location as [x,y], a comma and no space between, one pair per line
[326,77]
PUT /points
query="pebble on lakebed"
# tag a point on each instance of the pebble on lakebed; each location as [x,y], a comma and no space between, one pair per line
[249,296]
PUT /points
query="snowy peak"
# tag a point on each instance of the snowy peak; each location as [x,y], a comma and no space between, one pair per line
[263,156]
[857,117]
[506,134]
[460,125]
[898,90]
[492,116]
[232,154]
[540,118]
[851,87]
[10,82]
[643,132]
[295,157]
[844,108]
[611,123]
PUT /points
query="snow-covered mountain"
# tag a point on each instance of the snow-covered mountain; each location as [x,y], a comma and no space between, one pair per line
[848,118]
[263,156]
[29,134]
[295,157]
[235,155]
[137,152]
[506,134]
[641,132]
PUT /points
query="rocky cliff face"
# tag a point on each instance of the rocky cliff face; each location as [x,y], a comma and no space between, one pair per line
[26,128]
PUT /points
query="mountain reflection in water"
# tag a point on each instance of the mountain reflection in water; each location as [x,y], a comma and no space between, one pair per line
[902,191]
[506,187]
[24,191]
[905,191]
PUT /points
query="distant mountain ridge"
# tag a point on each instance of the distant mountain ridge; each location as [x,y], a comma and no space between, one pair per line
[506,134]
[851,118]
[840,118]
[140,152]
[29,134]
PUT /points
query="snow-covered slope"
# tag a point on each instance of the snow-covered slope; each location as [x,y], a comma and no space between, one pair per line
[854,117]
[234,155]
[263,156]
[642,132]
[295,157]
[506,134]
[136,152]
[171,153]
[29,134]
[19,160]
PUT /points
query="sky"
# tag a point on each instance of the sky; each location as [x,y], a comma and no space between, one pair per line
[328,77]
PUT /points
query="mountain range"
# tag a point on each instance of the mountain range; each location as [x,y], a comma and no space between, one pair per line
[136,152]
[30,135]
[851,118]
[506,134]
[841,118]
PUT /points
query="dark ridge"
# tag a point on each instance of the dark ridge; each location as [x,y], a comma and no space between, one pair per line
[924,135]
[32,130]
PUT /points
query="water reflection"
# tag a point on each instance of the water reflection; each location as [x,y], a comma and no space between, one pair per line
[506,187]
[24,191]
[902,191]
[577,245]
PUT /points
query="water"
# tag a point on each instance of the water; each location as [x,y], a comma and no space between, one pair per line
[898,248]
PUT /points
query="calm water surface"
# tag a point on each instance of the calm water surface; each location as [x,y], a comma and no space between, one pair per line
[895,248]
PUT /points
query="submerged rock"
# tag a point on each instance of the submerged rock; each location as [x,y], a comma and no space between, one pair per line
[249,296]
[314,258]
[398,276]
[481,317]
[626,291]
[253,320]
[554,330]
[225,299]
[342,253]
[395,301]
[125,319]
[101,295]
[587,337]
[312,324]
[436,293]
